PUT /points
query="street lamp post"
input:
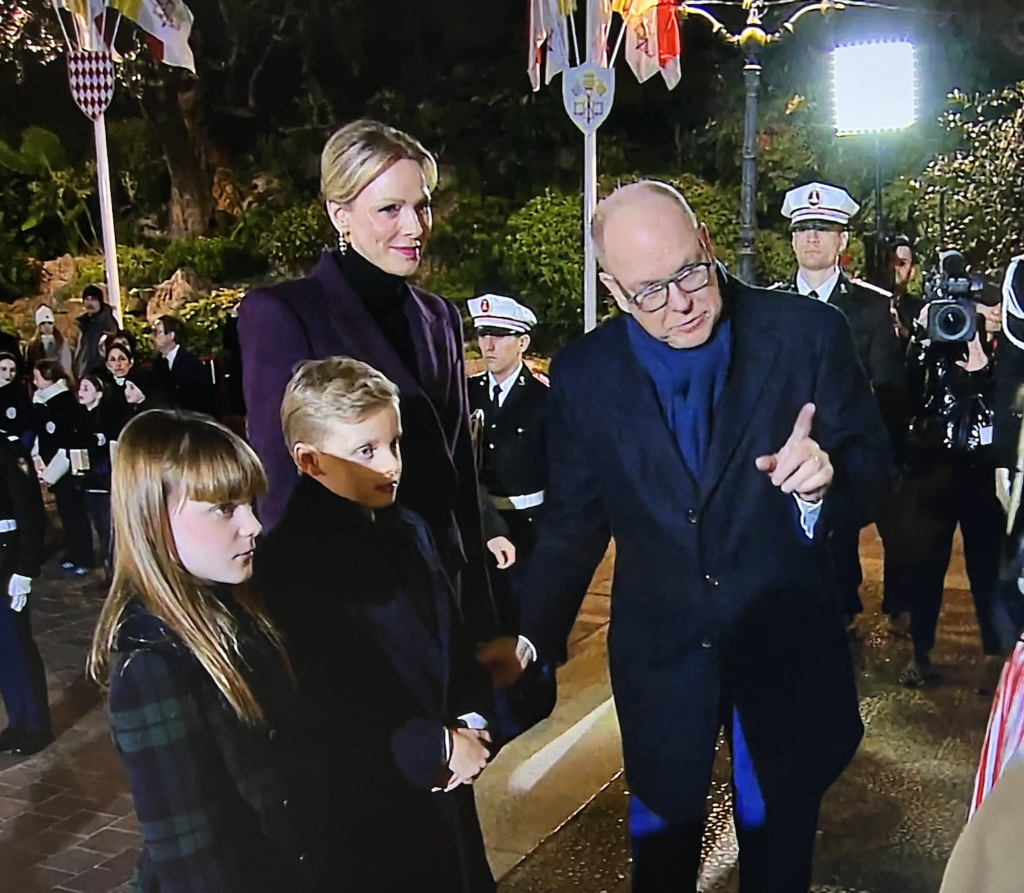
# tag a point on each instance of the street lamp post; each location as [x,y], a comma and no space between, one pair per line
[752,40]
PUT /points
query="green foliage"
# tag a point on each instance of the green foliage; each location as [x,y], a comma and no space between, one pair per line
[285,236]
[138,328]
[206,318]
[467,246]
[543,261]
[981,179]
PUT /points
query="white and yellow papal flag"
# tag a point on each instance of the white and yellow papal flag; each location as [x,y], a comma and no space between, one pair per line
[168,24]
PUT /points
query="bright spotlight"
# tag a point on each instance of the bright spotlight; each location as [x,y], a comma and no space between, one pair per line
[874,86]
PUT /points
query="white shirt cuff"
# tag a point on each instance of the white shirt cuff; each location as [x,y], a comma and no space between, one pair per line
[809,512]
[525,651]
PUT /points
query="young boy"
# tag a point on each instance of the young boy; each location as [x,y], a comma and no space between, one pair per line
[395,704]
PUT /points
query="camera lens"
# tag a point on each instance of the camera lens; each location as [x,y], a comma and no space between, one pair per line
[953,323]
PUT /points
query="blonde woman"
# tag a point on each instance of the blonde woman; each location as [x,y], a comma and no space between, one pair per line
[201,692]
[376,183]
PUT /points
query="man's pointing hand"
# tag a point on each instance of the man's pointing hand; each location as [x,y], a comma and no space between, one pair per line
[801,466]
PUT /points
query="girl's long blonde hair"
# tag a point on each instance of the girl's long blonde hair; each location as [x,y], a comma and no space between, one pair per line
[164,457]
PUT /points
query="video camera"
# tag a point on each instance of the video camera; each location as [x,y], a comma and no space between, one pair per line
[951,293]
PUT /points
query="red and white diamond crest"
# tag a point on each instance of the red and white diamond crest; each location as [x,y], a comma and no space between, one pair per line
[92,80]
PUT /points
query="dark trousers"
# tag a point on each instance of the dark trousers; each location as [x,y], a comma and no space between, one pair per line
[845,544]
[22,675]
[774,858]
[505,584]
[930,505]
[75,520]
[97,505]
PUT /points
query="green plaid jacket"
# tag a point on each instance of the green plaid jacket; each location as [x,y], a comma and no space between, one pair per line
[222,807]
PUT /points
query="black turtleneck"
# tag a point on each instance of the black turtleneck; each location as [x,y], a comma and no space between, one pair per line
[384,296]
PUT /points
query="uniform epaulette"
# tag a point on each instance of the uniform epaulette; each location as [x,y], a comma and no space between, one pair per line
[779,286]
[477,375]
[874,288]
[543,379]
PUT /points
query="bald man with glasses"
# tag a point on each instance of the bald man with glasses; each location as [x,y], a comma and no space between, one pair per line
[709,429]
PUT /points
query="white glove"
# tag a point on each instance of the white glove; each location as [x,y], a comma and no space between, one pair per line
[18,589]
[1003,487]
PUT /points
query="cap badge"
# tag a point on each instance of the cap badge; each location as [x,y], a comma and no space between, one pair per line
[485,305]
[814,199]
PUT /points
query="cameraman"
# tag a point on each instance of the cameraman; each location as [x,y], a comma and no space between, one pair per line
[949,476]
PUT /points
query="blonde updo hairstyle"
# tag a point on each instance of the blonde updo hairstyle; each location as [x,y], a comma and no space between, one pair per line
[360,152]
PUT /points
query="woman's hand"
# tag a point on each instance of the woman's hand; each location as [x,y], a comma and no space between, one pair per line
[469,755]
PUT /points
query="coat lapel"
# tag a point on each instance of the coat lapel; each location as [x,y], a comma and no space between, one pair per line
[751,384]
[354,326]
[648,447]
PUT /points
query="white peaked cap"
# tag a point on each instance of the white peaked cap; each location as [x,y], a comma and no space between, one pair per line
[44,314]
[819,201]
[501,312]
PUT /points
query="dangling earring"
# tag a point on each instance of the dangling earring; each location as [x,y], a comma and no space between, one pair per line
[342,243]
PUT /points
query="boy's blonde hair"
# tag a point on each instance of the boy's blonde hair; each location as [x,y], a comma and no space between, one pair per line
[324,392]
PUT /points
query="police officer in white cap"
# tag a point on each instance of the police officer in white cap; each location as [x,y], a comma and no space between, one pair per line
[819,215]
[513,403]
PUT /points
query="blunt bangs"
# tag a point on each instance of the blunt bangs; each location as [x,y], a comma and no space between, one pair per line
[214,465]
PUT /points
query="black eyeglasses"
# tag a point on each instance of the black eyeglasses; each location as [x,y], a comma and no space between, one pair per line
[653,297]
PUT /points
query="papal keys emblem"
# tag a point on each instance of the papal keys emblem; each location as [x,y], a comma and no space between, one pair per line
[92,80]
[588,92]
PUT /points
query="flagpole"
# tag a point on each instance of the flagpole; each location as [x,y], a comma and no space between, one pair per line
[589,252]
[107,217]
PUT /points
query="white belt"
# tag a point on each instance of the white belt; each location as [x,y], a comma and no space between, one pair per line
[8,526]
[519,502]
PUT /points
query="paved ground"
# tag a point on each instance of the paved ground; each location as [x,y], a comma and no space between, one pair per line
[890,822]
[888,825]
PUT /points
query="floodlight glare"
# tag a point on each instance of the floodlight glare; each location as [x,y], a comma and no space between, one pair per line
[874,87]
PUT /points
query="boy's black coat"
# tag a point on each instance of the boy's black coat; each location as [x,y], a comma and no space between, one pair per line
[382,667]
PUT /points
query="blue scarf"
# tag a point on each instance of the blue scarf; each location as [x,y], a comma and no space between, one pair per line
[689,383]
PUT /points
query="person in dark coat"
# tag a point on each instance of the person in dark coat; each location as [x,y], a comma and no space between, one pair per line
[61,426]
[202,700]
[711,427]
[97,323]
[102,427]
[512,454]
[185,380]
[15,405]
[22,536]
[395,706]
[358,303]
[820,214]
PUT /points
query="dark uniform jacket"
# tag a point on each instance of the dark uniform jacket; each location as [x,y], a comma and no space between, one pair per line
[101,426]
[383,667]
[876,343]
[322,316]
[222,807]
[711,575]
[21,501]
[187,383]
[16,412]
[60,423]
[513,438]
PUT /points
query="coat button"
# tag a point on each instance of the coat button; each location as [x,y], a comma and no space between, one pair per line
[303,858]
[711,580]
[520,430]
[286,803]
[493,425]
[691,516]
[273,734]
[705,642]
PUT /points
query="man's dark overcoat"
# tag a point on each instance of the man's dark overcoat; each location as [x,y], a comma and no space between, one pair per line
[321,316]
[718,595]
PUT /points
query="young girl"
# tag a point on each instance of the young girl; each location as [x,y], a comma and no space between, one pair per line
[49,343]
[15,405]
[103,427]
[60,427]
[201,693]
